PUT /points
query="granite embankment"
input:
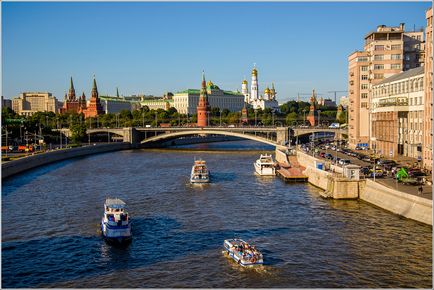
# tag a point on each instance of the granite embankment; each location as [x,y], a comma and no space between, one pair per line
[20,165]
[338,187]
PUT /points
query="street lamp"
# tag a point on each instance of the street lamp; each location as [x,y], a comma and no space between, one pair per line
[374,145]
[256,113]
[220,111]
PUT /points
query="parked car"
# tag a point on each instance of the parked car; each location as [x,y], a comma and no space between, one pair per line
[328,156]
[344,161]
[365,170]
[378,172]
[366,158]
[322,154]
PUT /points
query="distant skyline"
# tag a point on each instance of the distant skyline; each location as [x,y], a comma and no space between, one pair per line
[154,47]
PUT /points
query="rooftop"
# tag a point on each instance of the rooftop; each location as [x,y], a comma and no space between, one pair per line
[403,75]
[114,203]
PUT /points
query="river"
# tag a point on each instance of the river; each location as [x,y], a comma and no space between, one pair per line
[51,233]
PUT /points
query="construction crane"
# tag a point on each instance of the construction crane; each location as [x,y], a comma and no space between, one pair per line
[335,94]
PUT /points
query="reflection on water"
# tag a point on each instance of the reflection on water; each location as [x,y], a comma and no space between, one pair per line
[51,235]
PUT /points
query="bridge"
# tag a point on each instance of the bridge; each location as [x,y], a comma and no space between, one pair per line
[149,137]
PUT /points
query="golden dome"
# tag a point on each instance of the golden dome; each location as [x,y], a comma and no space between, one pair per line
[244,82]
[209,84]
[254,72]
[267,91]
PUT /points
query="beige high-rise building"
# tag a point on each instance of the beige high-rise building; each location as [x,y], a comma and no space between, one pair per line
[428,88]
[387,51]
[29,103]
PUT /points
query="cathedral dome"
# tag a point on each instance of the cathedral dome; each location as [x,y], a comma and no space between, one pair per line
[244,82]
[254,72]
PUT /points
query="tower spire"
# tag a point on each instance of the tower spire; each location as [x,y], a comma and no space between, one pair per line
[117,92]
[203,105]
[71,92]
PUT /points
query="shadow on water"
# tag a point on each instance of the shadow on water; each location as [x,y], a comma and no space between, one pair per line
[157,239]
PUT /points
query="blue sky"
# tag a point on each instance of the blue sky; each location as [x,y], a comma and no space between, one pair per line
[151,48]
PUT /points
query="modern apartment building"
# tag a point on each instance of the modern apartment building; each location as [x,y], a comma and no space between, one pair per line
[387,51]
[29,103]
[397,109]
[428,88]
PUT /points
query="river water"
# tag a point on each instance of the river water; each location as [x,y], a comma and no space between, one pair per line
[51,234]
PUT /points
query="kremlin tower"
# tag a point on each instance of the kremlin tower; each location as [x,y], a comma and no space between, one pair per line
[313,113]
[94,108]
[203,105]
[71,104]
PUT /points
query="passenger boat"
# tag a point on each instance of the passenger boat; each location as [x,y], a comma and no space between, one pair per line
[199,172]
[265,165]
[243,253]
[115,224]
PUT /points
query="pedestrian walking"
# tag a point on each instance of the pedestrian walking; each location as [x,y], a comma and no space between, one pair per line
[420,190]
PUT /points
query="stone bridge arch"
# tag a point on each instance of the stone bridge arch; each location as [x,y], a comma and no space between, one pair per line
[177,134]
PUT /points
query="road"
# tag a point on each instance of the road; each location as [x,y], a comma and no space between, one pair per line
[386,180]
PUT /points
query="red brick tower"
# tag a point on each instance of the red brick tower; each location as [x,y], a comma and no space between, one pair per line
[313,113]
[244,117]
[203,105]
[95,108]
[71,103]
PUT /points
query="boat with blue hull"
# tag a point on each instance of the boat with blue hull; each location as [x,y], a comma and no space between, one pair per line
[116,223]
[243,253]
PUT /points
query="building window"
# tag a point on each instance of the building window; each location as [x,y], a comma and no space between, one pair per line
[364,105]
[407,57]
[395,66]
[378,76]
[378,66]
[396,47]
[378,57]
[395,56]
[364,95]
[379,47]
[364,86]
[362,58]
[364,68]
[364,77]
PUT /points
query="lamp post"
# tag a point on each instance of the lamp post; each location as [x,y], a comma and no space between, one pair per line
[143,119]
[256,114]
[220,111]
[374,145]
[319,118]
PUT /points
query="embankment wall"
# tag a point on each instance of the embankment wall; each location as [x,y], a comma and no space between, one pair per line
[20,165]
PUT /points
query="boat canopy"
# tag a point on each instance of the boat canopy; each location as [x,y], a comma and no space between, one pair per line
[115,203]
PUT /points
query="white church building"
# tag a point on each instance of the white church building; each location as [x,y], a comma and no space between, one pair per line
[256,101]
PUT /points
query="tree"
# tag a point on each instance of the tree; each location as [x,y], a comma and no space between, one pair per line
[291,118]
[78,132]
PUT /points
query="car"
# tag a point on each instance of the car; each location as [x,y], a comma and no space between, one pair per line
[365,170]
[366,158]
[416,173]
[344,161]
[378,172]
[334,126]
[328,156]
[322,154]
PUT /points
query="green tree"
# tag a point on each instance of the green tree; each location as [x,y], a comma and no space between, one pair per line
[291,118]
[78,132]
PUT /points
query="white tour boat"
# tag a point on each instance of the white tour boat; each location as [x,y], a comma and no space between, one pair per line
[199,172]
[265,165]
[116,224]
[243,253]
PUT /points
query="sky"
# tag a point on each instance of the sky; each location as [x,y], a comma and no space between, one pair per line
[156,47]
